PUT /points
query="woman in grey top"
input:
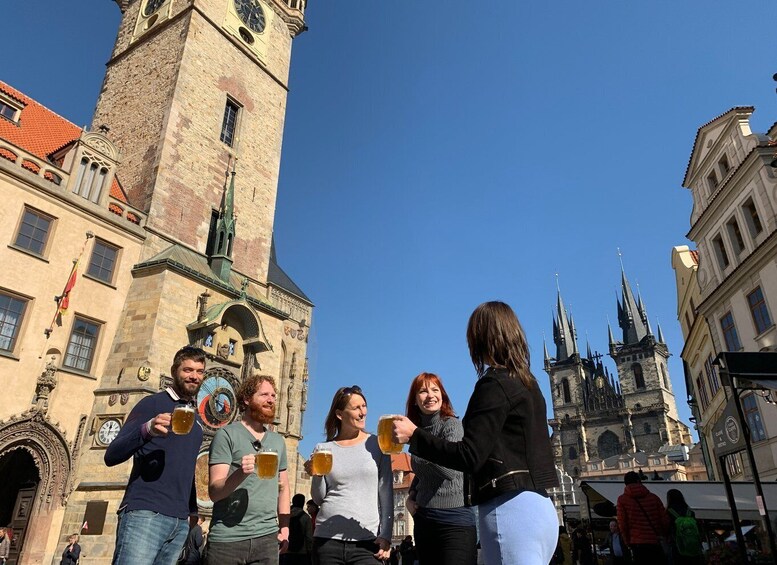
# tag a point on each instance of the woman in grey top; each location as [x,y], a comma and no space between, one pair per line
[444,528]
[355,519]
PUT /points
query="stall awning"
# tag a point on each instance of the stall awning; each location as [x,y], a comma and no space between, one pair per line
[706,498]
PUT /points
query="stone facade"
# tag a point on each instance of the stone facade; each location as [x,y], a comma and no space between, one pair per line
[727,287]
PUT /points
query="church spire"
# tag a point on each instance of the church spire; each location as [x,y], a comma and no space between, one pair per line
[221,260]
[563,332]
[660,334]
[629,313]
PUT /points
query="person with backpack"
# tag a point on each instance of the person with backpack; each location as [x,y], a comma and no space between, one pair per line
[643,522]
[300,534]
[683,530]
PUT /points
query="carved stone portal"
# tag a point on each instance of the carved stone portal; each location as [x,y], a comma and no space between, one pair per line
[46,444]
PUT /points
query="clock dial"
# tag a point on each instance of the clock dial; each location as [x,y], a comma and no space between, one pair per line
[152,6]
[216,401]
[250,11]
[108,431]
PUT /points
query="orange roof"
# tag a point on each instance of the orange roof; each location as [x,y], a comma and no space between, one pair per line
[42,132]
[401,462]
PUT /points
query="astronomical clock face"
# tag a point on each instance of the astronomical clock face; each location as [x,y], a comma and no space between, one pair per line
[250,11]
[216,401]
[108,431]
[152,6]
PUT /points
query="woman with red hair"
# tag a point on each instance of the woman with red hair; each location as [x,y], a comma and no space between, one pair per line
[444,528]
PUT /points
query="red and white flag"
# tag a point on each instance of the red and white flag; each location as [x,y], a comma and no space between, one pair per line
[85,526]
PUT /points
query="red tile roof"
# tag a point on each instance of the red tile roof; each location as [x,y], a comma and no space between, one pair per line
[401,462]
[42,132]
[695,256]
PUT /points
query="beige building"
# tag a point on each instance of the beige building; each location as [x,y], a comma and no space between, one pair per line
[403,478]
[168,200]
[727,289]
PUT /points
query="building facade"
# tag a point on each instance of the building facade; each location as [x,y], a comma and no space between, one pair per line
[168,200]
[598,417]
[402,479]
[727,287]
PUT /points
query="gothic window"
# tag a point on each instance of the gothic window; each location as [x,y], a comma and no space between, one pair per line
[572,453]
[608,445]
[664,377]
[232,344]
[565,386]
[639,378]
[209,340]
[90,180]
[210,245]
[580,443]
[34,231]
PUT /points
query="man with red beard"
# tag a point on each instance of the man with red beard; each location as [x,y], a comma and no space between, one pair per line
[250,521]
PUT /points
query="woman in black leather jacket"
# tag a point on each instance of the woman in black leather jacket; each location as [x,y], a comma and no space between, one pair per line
[505,453]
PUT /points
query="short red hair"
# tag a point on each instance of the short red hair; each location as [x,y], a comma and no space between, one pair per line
[412,410]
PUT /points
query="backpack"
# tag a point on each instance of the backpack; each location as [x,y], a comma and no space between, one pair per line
[687,536]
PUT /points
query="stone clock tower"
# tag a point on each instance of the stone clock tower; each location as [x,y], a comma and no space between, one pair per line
[194,97]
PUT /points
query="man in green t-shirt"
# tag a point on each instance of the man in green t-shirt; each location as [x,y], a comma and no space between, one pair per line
[250,521]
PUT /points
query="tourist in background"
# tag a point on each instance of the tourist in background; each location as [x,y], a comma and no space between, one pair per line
[684,532]
[444,528]
[643,521]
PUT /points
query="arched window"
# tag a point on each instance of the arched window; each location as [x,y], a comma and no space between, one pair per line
[663,375]
[572,453]
[608,445]
[565,387]
[639,378]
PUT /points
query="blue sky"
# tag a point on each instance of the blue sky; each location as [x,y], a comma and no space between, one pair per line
[438,155]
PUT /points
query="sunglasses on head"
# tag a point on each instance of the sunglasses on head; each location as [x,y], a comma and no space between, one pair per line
[352,390]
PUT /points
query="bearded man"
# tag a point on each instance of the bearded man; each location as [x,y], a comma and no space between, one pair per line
[160,503]
[250,521]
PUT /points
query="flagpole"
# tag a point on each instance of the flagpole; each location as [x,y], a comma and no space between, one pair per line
[64,296]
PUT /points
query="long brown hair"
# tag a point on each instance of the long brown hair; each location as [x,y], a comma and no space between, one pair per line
[412,410]
[339,402]
[496,338]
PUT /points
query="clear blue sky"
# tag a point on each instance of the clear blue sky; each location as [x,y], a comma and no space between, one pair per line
[440,154]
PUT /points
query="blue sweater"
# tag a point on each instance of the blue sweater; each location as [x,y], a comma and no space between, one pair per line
[162,477]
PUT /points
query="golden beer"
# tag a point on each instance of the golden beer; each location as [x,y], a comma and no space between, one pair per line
[321,462]
[182,420]
[266,464]
[385,435]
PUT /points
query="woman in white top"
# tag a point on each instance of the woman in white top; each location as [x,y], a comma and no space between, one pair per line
[355,519]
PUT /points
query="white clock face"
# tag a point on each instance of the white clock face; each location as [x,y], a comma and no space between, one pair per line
[108,431]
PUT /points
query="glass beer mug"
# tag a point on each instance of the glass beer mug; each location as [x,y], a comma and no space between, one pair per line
[321,461]
[182,419]
[385,433]
[266,463]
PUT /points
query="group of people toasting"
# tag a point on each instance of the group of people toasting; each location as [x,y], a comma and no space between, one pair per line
[497,458]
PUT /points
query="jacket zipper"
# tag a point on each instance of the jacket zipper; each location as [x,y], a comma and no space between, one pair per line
[493,481]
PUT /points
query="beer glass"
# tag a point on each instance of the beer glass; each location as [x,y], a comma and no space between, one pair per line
[182,419]
[321,461]
[266,464]
[385,433]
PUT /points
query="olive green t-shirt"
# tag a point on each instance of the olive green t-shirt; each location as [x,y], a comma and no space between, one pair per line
[252,509]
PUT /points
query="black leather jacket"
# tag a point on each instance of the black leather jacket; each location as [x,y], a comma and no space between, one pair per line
[506,446]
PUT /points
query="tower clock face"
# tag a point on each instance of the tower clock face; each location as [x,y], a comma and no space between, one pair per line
[216,401]
[252,14]
[108,431]
[152,6]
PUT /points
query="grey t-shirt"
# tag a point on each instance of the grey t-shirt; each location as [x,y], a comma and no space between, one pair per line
[252,509]
[356,497]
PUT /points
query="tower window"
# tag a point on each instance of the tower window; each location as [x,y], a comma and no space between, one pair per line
[730,334]
[720,251]
[723,165]
[572,453]
[664,377]
[639,377]
[229,123]
[759,310]
[90,180]
[712,181]
[82,345]
[737,241]
[565,387]
[751,218]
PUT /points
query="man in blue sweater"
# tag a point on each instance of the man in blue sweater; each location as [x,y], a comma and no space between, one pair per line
[160,503]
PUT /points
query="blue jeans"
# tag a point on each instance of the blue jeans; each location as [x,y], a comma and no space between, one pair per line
[144,537]
[519,529]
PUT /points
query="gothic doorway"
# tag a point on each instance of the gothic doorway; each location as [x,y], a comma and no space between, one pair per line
[19,481]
